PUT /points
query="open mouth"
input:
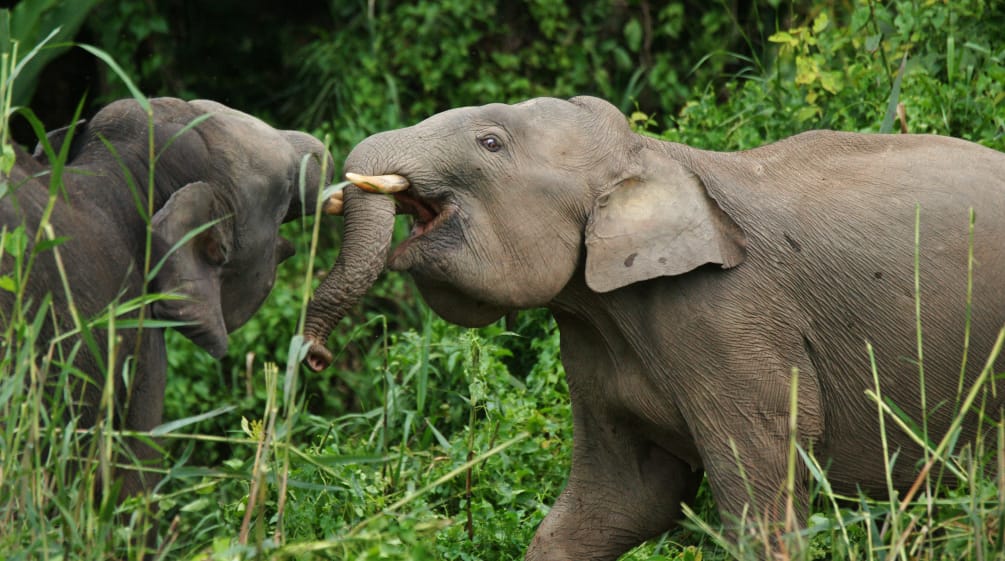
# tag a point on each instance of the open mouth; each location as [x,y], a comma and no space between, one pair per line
[427,214]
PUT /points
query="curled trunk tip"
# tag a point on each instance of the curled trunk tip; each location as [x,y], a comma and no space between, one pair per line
[318,356]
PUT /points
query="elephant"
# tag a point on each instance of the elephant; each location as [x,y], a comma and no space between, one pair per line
[692,288]
[216,168]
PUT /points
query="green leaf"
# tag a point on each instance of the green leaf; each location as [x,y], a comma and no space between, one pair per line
[442,440]
[50,25]
[784,37]
[832,81]
[330,460]
[807,70]
[16,242]
[46,245]
[820,23]
[807,112]
[166,428]
[184,240]
[872,42]
[891,106]
[199,504]
[633,35]
[7,159]
[951,58]
[108,60]
[7,283]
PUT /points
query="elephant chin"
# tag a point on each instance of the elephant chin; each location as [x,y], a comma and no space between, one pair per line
[452,305]
[201,327]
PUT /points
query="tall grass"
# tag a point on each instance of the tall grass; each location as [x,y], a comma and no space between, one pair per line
[56,488]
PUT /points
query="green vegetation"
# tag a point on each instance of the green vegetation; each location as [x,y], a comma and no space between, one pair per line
[428,441]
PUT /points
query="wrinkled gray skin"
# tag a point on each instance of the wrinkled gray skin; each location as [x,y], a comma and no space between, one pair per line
[688,284]
[231,167]
[369,223]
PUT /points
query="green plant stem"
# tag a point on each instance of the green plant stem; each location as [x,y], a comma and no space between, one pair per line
[437,482]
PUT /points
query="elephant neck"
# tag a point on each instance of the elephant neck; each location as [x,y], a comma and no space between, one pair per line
[579,301]
[674,150]
[632,319]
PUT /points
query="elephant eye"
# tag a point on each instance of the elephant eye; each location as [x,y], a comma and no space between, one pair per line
[490,143]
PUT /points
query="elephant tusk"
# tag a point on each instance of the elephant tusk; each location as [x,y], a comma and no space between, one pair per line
[386,184]
[333,204]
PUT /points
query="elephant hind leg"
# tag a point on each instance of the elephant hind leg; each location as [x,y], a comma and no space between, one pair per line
[612,504]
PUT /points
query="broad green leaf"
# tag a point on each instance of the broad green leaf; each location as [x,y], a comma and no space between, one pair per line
[784,37]
[633,35]
[820,23]
[47,244]
[872,42]
[807,70]
[7,160]
[48,28]
[806,113]
[831,81]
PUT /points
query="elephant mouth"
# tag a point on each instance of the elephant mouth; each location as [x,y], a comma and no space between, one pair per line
[427,215]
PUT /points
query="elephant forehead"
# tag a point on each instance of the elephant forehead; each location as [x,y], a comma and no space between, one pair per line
[539,112]
[546,105]
[525,113]
[241,139]
[242,126]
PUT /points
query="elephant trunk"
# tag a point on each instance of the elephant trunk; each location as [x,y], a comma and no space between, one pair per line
[369,223]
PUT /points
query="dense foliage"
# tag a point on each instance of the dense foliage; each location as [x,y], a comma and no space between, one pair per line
[428,441]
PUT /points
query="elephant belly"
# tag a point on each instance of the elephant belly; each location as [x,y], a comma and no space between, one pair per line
[852,449]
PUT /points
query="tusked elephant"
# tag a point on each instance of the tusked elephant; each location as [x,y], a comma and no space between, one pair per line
[230,170]
[689,284]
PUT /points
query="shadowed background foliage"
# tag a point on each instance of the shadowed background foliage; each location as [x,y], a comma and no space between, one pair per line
[354,67]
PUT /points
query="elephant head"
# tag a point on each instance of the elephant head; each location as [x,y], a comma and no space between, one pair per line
[507,200]
[219,172]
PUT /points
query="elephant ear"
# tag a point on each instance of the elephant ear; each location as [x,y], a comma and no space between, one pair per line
[193,241]
[662,222]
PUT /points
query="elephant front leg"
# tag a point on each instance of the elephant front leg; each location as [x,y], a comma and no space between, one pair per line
[621,491]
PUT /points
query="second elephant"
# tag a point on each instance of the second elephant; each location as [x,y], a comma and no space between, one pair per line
[220,173]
